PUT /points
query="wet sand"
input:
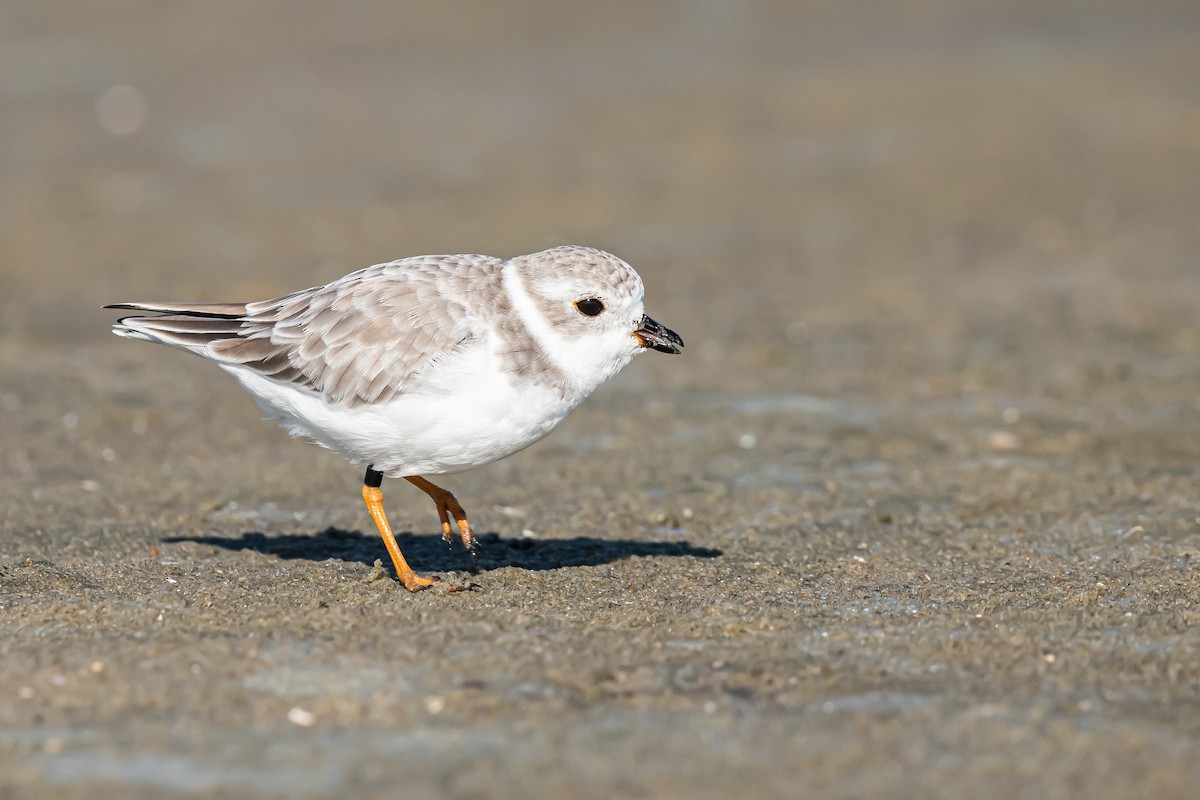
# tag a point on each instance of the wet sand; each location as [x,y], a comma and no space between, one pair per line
[914,515]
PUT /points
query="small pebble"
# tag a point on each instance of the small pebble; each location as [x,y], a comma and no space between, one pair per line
[301,717]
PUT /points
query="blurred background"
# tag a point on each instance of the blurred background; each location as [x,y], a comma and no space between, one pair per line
[936,263]
[780,172]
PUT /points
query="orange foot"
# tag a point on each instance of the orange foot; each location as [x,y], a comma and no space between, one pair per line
[448,507]
[373,497]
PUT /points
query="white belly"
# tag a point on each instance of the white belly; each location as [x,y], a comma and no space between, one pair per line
[461,415]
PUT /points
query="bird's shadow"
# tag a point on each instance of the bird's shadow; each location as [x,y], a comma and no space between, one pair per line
[431,553]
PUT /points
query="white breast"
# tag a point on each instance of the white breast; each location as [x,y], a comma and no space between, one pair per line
[458,415]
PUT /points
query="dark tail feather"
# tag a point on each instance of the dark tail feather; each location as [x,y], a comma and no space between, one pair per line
[192,326]
[216,310]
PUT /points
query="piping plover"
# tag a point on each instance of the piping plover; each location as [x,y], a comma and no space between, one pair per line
[426,365]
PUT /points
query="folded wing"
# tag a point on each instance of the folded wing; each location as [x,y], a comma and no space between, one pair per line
[356,340]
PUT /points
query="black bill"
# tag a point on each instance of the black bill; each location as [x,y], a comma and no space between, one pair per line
[657,337]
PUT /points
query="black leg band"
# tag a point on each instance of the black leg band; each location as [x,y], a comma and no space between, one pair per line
[373,478]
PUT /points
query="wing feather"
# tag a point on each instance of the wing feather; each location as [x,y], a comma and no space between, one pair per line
[361,339]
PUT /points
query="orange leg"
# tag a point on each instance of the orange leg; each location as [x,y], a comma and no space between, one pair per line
[373,496]
[448,507]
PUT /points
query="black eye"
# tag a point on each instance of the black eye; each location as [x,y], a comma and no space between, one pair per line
[589,306]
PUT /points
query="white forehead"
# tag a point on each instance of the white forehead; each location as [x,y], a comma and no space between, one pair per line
[575,270]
